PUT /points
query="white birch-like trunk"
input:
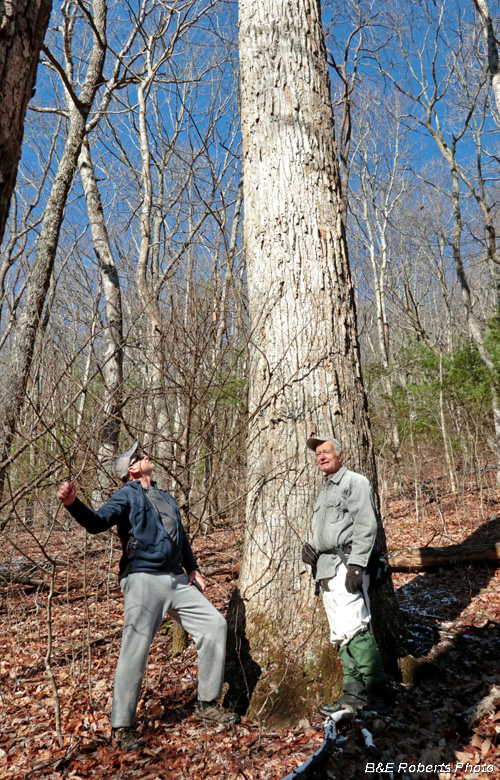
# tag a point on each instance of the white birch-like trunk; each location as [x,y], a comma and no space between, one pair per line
[156,438]
[112,368]
[491,47]
[444,433]
[305,374]
[379,270]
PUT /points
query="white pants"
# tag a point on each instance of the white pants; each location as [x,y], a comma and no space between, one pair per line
[348,613]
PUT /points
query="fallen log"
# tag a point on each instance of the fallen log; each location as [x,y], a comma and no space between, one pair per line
[21,580]
[489,704]
[423,558]
[233,571]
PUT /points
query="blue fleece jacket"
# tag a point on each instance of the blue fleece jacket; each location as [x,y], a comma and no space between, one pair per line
[146,545]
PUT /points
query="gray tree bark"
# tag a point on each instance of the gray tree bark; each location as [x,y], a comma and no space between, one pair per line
[305,373]
[491,42]
[112,368]
[22,28]
[21,353]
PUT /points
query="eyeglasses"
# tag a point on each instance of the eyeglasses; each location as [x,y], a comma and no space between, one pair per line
[136,459]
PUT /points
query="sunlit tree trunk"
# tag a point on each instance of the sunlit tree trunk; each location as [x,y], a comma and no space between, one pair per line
[147,273]
[22,28]
[112,365]
[491,42]
[379,261]
[444,432]
[305,373]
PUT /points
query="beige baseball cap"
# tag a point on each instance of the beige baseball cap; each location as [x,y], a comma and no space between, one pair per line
[314,441]
[122,462]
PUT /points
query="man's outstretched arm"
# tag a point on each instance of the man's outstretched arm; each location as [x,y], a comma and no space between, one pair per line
[93,522]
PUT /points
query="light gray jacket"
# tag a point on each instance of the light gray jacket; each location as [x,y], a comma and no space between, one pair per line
[344,514]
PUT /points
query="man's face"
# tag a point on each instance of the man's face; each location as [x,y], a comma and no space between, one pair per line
[141,467]
[327,458]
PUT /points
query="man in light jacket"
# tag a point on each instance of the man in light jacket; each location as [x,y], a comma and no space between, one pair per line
[344,528]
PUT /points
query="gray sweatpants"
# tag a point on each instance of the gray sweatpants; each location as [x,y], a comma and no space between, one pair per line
[148,598]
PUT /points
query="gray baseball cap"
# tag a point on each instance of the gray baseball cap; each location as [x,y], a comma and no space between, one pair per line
[122,462]
[314,441]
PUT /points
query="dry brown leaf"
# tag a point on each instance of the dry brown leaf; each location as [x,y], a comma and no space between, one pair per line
[463,757]
[485,747]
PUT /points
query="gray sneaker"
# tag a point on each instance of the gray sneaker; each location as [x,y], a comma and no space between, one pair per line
[214,713]
[126,738]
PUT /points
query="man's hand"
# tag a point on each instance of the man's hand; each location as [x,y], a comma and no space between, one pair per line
[354,578]
[310,557]
[195,578]
[67,493]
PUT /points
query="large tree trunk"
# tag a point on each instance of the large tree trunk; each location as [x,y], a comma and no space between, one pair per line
[22,28]
[21,353]
[305,373]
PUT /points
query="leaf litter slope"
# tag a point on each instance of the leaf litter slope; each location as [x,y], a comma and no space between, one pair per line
[453,617]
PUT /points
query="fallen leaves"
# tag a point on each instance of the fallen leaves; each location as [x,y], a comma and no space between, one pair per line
[454,616]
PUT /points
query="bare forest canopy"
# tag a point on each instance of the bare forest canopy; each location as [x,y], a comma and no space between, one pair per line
[124,284]
[140,324]
[124,307]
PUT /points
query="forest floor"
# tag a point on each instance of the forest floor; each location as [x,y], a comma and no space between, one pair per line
[453,617]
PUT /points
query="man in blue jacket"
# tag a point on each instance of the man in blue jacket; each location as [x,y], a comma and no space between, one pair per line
[158,575]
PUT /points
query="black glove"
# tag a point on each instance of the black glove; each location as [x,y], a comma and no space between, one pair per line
[354,578]
[310,557]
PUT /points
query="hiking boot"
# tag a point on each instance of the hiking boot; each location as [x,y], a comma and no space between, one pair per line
[346,702]
[126,738]
[213,712]
[353,699]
